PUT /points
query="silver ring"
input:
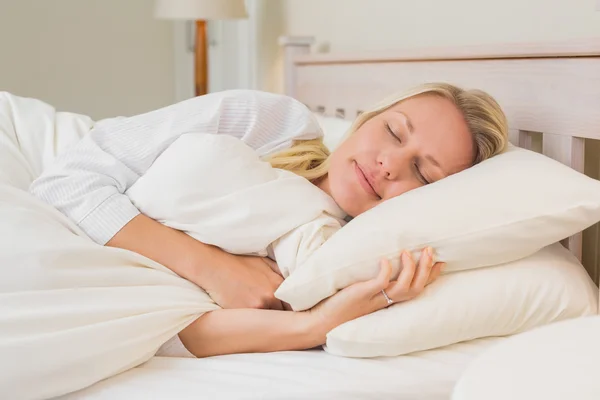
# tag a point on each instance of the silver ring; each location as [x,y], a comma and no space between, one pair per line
[389,301]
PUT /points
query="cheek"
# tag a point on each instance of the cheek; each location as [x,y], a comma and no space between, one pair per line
[338,175]
[343,188]
[368,137]
[339,162]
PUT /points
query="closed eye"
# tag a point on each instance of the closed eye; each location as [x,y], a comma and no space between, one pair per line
[391,132]
[420,175]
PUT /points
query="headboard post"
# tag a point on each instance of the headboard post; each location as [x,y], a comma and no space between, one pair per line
[292,47]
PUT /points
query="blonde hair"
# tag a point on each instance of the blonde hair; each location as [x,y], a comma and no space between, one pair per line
[484,117]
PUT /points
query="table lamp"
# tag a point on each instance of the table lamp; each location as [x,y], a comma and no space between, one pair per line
[200,11]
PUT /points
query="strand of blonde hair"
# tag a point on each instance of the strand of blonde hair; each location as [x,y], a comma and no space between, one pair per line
[307,158]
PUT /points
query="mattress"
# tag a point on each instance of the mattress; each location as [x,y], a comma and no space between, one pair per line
[312,374]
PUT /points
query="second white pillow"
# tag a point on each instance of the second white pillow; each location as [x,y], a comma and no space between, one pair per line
[548,286]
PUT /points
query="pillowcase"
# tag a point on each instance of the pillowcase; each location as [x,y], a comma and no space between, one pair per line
[334,130]
[559,361]
[548,286]
[498,211]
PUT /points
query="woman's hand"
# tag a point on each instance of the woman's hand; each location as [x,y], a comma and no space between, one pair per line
[232,281]
[366,297]
[243,282]
[246,331]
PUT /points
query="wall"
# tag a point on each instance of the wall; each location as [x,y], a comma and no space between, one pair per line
[355,25]
[375,25]
[184,59]
[270,25]
[98,57]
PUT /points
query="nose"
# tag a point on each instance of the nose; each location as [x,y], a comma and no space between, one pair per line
[392,165]
[385,170]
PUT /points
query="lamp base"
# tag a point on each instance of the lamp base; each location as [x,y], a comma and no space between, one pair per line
[201,60]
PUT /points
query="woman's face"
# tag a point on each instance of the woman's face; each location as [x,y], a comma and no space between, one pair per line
[417,141]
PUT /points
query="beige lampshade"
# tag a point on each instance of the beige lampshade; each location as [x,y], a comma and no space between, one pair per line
[200,9]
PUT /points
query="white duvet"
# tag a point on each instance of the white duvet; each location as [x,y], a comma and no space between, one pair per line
[32,134]
[216,189]
[73,312]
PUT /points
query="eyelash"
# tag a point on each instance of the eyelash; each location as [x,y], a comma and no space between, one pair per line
[389,129]
[417,169]
[420,175]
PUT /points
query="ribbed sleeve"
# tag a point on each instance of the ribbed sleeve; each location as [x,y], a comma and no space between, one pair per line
[88,181]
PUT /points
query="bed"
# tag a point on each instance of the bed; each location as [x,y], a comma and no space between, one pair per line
[312,374]
[537,85]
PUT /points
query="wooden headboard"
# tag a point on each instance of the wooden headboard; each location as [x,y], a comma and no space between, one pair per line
[549,92]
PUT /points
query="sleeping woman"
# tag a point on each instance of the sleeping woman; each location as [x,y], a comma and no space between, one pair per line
[407,141]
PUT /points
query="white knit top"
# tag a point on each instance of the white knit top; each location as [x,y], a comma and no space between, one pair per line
[88,181]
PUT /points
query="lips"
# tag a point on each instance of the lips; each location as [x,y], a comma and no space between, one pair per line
[364,181]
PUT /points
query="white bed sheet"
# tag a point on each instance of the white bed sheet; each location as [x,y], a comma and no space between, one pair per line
[314,374]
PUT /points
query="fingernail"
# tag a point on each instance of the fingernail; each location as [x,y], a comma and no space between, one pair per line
[429,251]
[443,266]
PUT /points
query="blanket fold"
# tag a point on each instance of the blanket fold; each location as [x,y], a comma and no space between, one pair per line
[73,312]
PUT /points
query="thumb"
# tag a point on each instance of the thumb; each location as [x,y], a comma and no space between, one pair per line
[272,264]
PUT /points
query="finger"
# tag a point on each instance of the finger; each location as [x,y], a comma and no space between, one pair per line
[272,264]
[423,269]
[275,279]
[435,272]
[408,271]
[274,304]
[382,279]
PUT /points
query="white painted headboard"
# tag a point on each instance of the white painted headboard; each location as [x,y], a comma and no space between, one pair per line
[550,93]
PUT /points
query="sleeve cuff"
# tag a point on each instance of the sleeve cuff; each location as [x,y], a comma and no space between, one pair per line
[102,223]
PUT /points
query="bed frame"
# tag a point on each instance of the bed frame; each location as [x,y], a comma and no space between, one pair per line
[550,93]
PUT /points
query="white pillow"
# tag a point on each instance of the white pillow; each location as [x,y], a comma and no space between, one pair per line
[556,362]
[500,210]
[334,130]
[548,286]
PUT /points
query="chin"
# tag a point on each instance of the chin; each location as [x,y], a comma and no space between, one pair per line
[347,196]
[351,207]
